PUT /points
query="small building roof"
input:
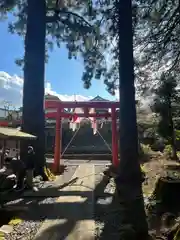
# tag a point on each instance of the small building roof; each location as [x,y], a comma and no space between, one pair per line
[51,97]
[98,99]
[13,133]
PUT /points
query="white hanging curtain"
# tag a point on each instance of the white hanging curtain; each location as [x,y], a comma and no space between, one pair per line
[102,123]
[75,120]
[72,125]
[95,127]
[93,120]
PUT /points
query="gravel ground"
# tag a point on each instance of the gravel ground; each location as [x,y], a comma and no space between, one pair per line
[36,211]
[33,219]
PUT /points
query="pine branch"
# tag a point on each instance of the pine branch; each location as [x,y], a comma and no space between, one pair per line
[57,16]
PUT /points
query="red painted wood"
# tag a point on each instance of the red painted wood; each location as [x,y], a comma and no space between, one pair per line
[57,148]
[55,104]
[115,160]
[68,115]
[4,123]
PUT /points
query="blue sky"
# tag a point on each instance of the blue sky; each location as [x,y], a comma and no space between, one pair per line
[63,76]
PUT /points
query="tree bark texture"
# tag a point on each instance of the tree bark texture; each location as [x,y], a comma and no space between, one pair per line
[33,90]
[173,135]
[129,179]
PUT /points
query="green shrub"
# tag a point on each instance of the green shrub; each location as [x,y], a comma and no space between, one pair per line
[144,152]
[178,154]
[177,132]
[168,150]
[146,149]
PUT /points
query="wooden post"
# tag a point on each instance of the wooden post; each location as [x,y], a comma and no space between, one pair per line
[17,148]
[115,160]
[57,148]
[3,152]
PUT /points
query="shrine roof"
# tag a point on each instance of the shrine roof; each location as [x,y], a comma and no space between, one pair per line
[95,99]
[98,99]
[12,133]
[51,97]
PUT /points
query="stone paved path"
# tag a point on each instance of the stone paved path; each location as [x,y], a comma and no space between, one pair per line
[72,215]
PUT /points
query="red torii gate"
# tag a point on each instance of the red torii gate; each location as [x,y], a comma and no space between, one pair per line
[58,114]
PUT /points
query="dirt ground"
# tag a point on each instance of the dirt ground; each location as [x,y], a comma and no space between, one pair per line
[156,167]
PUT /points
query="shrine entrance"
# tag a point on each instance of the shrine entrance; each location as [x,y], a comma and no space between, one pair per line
[86,139]
[79,111]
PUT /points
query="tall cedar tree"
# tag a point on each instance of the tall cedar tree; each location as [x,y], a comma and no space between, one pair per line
[129,180]
[166,99]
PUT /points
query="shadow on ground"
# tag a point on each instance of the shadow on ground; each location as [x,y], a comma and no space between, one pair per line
[173,167]
[106,215]
[65,215]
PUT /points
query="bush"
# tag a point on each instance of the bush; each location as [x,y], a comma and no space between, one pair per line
[168,151]
[158,145]
[146,149]
[144,152]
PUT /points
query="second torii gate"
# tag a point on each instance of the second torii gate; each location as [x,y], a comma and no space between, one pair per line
[58,113]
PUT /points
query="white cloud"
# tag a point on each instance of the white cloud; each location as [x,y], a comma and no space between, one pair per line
[11,91]
[65,97]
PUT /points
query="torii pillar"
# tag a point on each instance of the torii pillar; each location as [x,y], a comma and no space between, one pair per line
[115,160]
[57,147]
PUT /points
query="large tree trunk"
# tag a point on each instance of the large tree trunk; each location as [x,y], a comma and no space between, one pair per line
[129,179]
[33,90]
[173,135]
